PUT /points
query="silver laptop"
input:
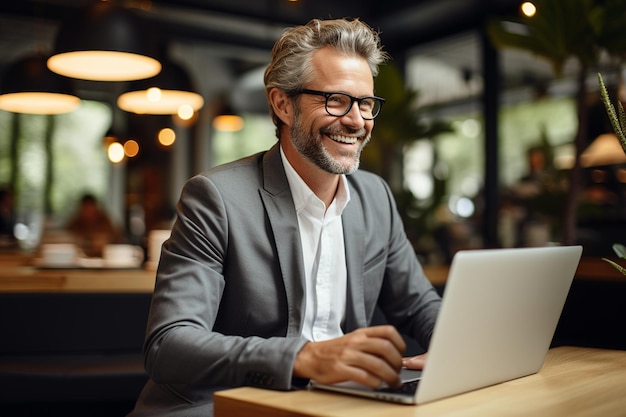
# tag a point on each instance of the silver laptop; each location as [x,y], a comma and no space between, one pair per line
[498,316]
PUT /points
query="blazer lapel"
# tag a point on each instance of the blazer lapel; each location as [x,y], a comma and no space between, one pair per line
[353,235]
[281,212]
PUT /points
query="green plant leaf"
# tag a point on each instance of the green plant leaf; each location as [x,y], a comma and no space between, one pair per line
[616,266]
[620,250]
[618,123]
[608,21]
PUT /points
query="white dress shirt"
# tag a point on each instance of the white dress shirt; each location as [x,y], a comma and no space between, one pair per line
[321,237]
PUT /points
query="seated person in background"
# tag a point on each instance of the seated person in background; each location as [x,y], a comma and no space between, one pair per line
[276,262]
[91,228]
[7,220]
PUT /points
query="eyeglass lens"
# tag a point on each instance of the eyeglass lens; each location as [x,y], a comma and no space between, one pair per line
[339,104]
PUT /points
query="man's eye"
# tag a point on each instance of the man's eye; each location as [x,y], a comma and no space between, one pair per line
[366,104]
[337,99]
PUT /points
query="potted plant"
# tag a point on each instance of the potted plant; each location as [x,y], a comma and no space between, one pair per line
[618,121]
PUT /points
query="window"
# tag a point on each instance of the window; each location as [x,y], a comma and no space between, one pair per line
[50,161]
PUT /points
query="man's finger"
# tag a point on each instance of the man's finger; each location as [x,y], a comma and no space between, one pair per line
[414,362]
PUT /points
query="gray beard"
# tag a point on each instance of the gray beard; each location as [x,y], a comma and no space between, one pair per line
[309,144]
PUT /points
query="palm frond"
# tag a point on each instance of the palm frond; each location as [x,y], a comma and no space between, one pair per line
[608,21]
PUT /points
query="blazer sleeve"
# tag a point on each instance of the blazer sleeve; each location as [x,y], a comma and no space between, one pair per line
[182,343]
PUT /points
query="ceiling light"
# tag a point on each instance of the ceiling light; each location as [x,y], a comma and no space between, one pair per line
[226,119]
[131,148]
[115,152]
[528,9]
[185,112]
[166,136]
[104,42]
[28,86]
[169,92]
[228,123]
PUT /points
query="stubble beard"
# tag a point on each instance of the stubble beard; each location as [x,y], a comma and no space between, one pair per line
[310,145]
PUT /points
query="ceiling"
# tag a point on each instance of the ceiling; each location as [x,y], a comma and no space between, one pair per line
[241,32]
[226,44]
[255,23]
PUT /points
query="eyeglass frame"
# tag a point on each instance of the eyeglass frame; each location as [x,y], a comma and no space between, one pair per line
[358,100]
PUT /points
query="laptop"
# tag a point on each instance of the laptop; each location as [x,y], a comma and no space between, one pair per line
[499,312]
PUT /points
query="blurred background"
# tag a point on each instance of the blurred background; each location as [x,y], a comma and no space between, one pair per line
[481,138]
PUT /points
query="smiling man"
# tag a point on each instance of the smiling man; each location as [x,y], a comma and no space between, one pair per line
[276,262]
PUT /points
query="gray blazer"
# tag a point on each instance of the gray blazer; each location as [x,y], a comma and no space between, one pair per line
[228,304]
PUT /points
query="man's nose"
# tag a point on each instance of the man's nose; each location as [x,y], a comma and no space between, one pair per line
[355,117]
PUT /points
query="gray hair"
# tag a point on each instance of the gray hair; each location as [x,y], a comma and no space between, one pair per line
[290,67]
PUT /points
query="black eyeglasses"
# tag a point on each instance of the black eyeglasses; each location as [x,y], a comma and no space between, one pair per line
[339,104]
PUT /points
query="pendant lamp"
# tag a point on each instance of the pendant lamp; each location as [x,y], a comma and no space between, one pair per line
[169,92]
[104,42]
[28,86]
[227,120]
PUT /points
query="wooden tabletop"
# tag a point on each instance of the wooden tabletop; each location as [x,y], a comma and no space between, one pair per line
[32,279]
[18,273]
[590,268]
[573,382]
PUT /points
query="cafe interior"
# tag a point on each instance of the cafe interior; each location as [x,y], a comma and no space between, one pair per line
[489,142]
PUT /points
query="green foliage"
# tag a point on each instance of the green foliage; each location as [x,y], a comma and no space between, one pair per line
[559,30]
[617,118]
[398,125]
[620,251]
[565,29]
[618,121]
[398,122]
[608,22]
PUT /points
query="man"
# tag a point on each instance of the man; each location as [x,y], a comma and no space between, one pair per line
[276,262]
[91,227]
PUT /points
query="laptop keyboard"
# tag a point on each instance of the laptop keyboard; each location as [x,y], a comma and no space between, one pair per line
[407,388]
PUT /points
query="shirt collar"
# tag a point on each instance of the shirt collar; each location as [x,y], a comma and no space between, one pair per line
[303,196]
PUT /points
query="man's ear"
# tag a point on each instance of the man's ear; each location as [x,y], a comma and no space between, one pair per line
[282,105]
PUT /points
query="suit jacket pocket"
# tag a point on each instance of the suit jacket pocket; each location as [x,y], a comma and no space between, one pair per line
[375,263]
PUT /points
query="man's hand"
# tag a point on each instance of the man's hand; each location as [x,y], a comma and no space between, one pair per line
[368,356]
[414,362]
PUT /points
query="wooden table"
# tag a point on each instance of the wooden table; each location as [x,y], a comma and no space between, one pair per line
[589,269]
[18,275]
[23,278]
[573,382]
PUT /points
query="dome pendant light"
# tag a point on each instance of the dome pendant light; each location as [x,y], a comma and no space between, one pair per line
[28,86]
[169,92]
[227,120]
[104,42]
